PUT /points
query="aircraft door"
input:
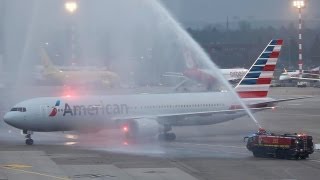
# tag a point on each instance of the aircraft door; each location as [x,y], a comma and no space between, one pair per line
[48,117]
[44,110]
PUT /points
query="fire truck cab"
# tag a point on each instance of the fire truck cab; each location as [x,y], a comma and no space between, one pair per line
[285,146]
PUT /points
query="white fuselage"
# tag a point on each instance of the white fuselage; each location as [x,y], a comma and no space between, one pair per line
[76,113]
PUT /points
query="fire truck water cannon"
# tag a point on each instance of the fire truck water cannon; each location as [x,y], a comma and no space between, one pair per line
[283,146]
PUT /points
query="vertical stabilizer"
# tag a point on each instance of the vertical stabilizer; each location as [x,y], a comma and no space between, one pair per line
[256,83]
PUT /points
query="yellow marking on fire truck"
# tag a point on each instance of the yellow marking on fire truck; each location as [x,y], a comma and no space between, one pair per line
[270,145]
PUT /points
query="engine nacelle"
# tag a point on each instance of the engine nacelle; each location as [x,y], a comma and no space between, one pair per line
[142,128]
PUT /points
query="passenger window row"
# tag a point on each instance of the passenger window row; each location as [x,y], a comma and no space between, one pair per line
[177,106]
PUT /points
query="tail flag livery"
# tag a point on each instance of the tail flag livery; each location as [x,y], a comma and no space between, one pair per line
[55,109]
[256,83]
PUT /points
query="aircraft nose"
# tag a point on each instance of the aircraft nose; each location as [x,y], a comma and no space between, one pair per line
[9,119]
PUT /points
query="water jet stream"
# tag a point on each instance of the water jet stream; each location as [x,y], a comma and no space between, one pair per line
[188,40]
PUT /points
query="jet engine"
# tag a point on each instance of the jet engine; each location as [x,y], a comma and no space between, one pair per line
[142,128]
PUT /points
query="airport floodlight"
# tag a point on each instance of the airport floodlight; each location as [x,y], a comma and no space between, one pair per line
[71,6]
[299,3]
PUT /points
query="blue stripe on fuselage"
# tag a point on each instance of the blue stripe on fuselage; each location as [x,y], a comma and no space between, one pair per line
[57,103]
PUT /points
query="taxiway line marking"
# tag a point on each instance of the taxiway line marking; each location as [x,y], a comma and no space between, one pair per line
[203,150]
[318,161]
[17,166]
[213,145]
[35,173]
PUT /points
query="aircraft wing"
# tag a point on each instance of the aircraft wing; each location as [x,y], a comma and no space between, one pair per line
[200,113]
[259,106]
[272,102]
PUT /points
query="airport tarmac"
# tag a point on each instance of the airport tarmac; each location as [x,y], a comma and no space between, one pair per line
[207,152]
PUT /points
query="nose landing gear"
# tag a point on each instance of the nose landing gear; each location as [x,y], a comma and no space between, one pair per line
[29,140]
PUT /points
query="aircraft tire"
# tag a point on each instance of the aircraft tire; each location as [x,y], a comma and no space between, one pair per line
[167,137]
[29,141]
[171,136]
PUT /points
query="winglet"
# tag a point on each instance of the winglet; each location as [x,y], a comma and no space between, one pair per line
[256,83]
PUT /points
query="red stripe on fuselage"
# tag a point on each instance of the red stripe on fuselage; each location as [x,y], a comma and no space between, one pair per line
[253,94]
[264,81]
[269,68]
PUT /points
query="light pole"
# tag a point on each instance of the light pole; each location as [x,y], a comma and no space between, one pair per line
[290,63]
[71,7]
[300,4]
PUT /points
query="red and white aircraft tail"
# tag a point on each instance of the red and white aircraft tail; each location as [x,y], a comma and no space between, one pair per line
[256,83]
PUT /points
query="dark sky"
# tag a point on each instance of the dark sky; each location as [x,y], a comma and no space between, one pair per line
[212,11]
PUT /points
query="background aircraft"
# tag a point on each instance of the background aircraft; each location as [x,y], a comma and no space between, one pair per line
[207,77]
[194,72]
[311,75]
[75,75]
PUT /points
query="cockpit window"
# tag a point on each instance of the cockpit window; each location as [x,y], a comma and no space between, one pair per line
[20,109]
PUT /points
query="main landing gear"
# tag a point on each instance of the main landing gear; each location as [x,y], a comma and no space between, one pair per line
[166,135]
[29,140]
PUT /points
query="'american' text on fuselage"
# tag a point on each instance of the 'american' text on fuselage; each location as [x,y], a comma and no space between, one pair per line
[108,109]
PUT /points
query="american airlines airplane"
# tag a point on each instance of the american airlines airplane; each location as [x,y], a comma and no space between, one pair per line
[147,115]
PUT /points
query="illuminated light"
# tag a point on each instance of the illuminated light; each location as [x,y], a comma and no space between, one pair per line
[125,143]
[299,3]
[70,143]
[68,92]
[273,108]
[71,6]
[125,129]
[71,136]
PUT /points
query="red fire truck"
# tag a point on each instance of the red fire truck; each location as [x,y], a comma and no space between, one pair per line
[287,146]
